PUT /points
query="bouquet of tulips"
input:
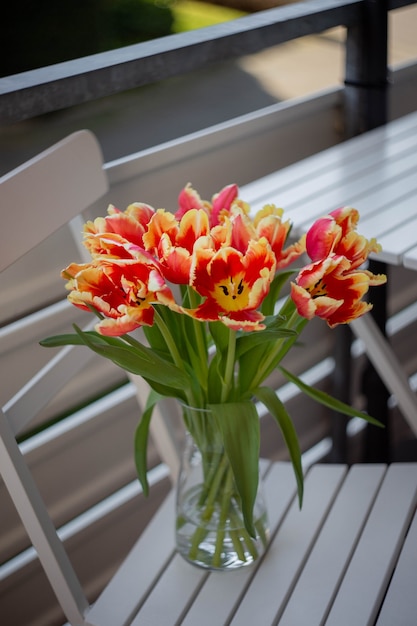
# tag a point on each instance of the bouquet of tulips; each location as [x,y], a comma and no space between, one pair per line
[204,282]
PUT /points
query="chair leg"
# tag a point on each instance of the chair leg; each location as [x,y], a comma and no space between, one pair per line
[377,441]
[31,509]
[388,367]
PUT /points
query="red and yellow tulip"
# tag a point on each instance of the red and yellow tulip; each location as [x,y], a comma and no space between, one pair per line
[123,291]
[332,287]
[233,283]
[127,226]
[172,241]
[220,204]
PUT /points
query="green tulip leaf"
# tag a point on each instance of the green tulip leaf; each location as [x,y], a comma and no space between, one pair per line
[239,425]
[141,441]
[269,302]
[327,400]
[251,340]
[269,398]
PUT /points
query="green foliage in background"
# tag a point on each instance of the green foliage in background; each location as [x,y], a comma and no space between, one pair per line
[190,15]
[41,33]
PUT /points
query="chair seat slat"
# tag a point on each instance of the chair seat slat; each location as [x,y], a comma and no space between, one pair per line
[400,604]
[289,549]
[410,258]
[319,581]
[373,562]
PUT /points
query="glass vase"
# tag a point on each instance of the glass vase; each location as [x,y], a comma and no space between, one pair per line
[210,531]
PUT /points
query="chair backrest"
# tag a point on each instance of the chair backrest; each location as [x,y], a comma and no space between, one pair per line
[48,191]
[36,199]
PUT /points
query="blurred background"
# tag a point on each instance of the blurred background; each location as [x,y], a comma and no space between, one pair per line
[293,85]
[47,32]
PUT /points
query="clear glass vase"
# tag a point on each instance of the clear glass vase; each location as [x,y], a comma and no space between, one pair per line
[210,531]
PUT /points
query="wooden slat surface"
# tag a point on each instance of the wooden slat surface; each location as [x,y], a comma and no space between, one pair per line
[318,583]
[332,157]
[79,154]
[375,172]
[139,572]
[400,604]
[370,569]
[285,559]
[330,563]
[410,258]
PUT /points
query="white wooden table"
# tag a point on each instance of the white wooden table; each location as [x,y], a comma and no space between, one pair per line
[377,174]
[349,557]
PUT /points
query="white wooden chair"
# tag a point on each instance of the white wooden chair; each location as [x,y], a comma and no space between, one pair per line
[36,199]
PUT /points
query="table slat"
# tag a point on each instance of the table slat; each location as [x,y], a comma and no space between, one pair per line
[171,595]
[268,593]
[399,240]
[375,172]
[390,206]
[326,566]
[155,547]
[400,604]
[410,258]
[346,178]
[366,580]
[331,562]
[296,173]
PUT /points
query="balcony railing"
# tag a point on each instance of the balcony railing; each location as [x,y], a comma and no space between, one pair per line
[63,85]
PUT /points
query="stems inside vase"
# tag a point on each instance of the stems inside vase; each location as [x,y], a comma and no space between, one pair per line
[210,527]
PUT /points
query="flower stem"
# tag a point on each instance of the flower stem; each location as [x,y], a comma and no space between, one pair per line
[199,332]
[279,349]
[230,366]
[217,498]
[207,500]
[240,536]
[224,511]
[168,339]
[214,488]
[173,350]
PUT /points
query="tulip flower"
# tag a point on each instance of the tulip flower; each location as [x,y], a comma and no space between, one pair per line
[123,291]
[172,241]
[128,225]
[268,223]
[335,234]
[332,287]
[221,202]
[233,283]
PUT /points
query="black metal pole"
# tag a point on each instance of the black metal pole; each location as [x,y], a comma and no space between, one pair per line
[341,384]
[377,440]
[366,80]
[366,84]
